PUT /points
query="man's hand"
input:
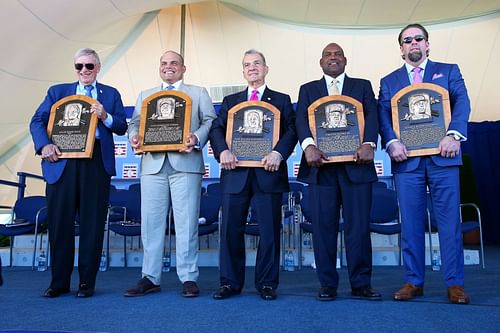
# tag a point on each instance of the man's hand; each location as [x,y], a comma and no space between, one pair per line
[271,161]
[397,151]
[228,160]
[364,154]
[449,147]
[51,153]
[98,109]
[191,141]
[134,143]
[314,156]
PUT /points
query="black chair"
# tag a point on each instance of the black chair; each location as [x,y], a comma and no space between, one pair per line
[384,215]
[214,189]
[209,215]
[123,218]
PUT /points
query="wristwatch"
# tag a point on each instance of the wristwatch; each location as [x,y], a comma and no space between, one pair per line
[371,144]
[455,136]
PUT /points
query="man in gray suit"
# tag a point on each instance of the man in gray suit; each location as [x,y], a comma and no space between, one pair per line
[172,177]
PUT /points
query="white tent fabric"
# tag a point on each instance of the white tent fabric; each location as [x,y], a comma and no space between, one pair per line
[40,38]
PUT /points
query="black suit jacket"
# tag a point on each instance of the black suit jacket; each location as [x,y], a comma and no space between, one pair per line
[358,89]
[233,180]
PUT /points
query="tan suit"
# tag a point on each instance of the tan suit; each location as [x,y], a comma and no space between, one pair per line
[173,177]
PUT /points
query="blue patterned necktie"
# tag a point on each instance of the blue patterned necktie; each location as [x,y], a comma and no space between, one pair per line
[88,90]
[170,88]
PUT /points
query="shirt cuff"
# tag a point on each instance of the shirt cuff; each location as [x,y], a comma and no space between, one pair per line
[197,145]
[462,138]
[108,121]
[389,143]
[372,144]
[307,142]
[279,154]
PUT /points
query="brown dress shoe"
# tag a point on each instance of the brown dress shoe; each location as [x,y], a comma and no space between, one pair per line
[143,287]
[190,289]
[408,291]
[457,295]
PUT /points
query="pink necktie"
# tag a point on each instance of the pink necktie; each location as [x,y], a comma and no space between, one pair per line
[417,77]
[255,95]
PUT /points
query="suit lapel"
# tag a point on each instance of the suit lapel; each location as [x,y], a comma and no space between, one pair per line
[347,87]
[429,71]
[322,87]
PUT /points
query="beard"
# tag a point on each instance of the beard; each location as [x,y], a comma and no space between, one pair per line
[415,56]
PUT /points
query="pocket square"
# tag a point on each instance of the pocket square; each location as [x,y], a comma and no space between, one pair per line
[437,76]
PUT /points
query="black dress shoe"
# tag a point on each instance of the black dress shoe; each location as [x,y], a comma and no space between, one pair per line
[225,291]
[190,289]
[55,292]
[366,293]
[327,294]
[268,293]
[85,291]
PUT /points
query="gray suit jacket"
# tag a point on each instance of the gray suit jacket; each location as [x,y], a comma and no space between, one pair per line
[202,115]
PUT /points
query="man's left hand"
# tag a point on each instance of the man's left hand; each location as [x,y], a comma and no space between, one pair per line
[271,161]
[449,147]
[99,111]
[364,154]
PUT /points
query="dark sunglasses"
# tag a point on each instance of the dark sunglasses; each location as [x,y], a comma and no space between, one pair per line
[409,39]
[79,67]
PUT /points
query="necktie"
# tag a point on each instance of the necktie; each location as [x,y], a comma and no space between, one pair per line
[255,95]
[333,89]
[88,90]
[170,87]
[417,76]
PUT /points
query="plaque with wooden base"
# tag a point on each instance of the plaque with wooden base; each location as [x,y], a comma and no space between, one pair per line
[72,127]
[337,124]
[253,129]
[420,117]
[165,121]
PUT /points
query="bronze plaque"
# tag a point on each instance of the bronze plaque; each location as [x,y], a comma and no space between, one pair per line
[253,129]
[72,127]
[337,124]
[420,117]
[165,121]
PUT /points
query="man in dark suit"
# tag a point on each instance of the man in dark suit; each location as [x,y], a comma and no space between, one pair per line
[346,184]
[264,185]
[78,186]
[439,173]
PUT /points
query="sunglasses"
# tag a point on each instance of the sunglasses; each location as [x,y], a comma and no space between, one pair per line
[409,39]
[79,67]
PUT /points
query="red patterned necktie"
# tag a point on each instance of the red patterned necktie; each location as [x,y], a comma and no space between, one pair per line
[255,95]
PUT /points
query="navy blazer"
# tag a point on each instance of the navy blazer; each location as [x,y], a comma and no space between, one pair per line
[233,180]
[108,96]
[447,76]
[362,91]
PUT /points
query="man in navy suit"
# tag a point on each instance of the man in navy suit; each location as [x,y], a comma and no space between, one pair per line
[438,173]
[264,185]
[78,186]
[346,184]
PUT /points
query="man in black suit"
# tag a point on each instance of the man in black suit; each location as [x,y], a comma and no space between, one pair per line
[346,184]
[264,185]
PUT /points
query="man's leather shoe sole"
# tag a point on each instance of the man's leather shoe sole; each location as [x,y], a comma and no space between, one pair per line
[54,292]
[327,294]
[268,293]
[366,294]
[225,292]
[457,295]
[407,292]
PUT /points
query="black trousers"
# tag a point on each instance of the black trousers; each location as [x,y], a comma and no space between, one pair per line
[81,193]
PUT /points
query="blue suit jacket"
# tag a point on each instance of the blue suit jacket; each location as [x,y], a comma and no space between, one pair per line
[358,89]
[447,76]
[108,96]
[233,180]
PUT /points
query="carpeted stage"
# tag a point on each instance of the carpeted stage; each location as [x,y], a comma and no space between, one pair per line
[296,309]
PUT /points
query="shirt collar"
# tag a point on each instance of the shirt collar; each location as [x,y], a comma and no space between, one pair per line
[259,89]
[176,85]
[409,68]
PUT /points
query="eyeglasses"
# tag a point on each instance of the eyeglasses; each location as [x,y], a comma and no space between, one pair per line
[409,39]
[79,67]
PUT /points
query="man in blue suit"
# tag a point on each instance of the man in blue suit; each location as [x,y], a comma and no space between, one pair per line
[346,184]
[439,173]
[264,185]
[78,186]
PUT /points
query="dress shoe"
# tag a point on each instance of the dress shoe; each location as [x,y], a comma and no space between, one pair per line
[327,294]
[84,291]
[224,292]
[143,287]
[268,293]
[407,292]
[55,292]
[366,293]
[457,295]
[190,289]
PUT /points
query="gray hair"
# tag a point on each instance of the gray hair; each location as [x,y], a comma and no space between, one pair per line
[254,51]
[87,51]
